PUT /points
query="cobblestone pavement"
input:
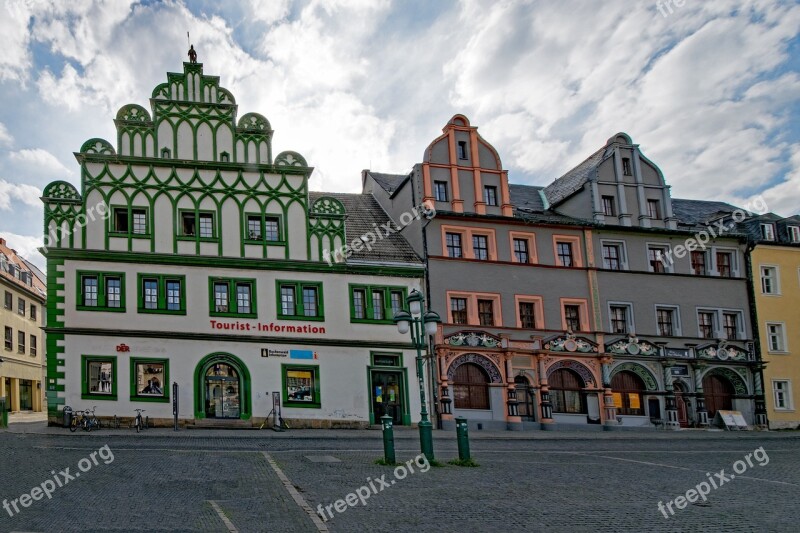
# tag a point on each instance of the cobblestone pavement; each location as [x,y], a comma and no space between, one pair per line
[222,481]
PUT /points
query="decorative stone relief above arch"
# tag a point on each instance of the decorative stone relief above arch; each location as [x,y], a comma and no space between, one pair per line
[583,371]
[478,359]
[649,379]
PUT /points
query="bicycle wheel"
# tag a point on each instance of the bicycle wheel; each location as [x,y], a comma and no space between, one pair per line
[73,425]
[138,424]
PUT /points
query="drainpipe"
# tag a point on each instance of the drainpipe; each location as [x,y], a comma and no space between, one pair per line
[758,368]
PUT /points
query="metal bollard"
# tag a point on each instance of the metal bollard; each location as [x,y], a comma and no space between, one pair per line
[388,439]
[462,435]
[3,414]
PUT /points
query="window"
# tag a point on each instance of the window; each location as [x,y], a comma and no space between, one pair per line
[794,233]
[21,306]
[33,312]
[301,386]
[768,232]
[139,218]
[609,209]
[20,342]
[490,195]
[657,258]
[619,315]
[705,321]
[565,257]
[462,149]
[775,338]
[300,300]
[149,380]
[725,264]
[572,317]
[486,312]
[454,245]
[101,291]
[272,228]
[378,305]
[263,228]
[188,224]
[666,322]
[769,280]
[730,322]
[440,191]
[627,389]
[480,247]
[227,297]
[33,345]
[653,209]
[470,387]
[206,226]
[782,393]
[254,227]
[612,256]
[527,315]
[150,290]
[359,304]
[120,219]
[131,221]
[197,224]
[9,300]
[397,298]
[566,394]
[521,252]
[99,377]
[9,338]
[699,264]
[626,166]
[458,309]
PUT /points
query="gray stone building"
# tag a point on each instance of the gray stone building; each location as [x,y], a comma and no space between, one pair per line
[597,300]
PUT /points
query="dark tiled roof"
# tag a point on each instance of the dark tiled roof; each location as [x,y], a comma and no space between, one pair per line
[574,180]
[363,213]
[529,205]
[699,212]
[389,182]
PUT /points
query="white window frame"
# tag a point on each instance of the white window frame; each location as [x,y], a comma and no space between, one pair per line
[631,325]
[776,279]
[740,331]
[623,253]
[715,324]
[669,266]
[784,346]
[789,399]
[794,233]
[676,318]
[734,261]
[767,231]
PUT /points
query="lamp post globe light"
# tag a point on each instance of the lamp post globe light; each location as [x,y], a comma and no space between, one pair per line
[421,323]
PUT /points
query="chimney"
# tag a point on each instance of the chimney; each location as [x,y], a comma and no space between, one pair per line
[2,241]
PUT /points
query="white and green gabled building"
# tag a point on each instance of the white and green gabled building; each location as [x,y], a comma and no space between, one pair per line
[193,255]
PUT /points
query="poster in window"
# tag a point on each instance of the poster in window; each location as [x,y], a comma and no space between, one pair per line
[100,377]
[300,386]
[150,379]
[617,399]
[633,400]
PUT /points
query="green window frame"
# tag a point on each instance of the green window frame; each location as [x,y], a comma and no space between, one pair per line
[150,370]
[300,386]
[198,224]
[125,219]
[156,294]
[302,303]
[98,364]
[104,291]
[364,297]
[257,230]
[235,297]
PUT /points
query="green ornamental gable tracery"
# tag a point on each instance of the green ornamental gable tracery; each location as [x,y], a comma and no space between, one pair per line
[326,231]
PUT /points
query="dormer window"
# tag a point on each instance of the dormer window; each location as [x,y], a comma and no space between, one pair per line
[653,209]
[166,154]
[462,149]
[768,232]
[626,167]
[794,233]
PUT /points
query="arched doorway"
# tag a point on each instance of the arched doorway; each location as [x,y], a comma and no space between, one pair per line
[222,388]
[718,393]
[566,392]
[680,404]
[524,398]
[470,387]
[628,389]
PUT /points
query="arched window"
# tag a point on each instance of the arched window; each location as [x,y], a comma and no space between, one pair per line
[471,387]
[566,393]
[628,388]
[718,393]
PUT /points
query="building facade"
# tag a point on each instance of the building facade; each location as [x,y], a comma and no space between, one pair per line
[194,256]
[775,259]
[22,318]
[576,304]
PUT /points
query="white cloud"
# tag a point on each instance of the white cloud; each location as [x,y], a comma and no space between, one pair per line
[40,158]
[5,136]
[12,192]
[14,39]
[26,246]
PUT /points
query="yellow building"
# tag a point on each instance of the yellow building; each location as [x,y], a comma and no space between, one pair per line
[22,359]
[776,274]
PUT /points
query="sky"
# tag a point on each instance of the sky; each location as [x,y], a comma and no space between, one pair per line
[709,89]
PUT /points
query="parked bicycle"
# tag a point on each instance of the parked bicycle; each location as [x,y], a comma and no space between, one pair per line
[76,421]
[138,423]
[91,419]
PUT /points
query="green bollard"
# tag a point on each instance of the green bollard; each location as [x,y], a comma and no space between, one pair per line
[388,440]
[462,435]
[3,413]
